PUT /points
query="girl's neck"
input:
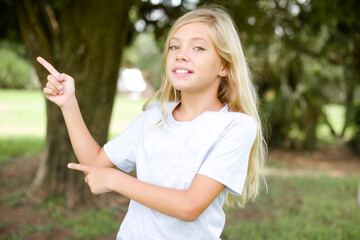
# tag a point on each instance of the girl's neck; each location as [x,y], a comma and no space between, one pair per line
[192,106]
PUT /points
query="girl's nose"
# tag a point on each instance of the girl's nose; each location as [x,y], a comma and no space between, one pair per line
[181,56]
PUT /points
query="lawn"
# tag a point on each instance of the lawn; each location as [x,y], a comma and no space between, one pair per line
[300,208]
[305,206]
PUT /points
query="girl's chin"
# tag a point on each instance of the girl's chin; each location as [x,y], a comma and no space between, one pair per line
[181,87]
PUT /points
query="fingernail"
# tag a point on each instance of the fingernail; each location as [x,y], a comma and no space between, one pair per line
[61,92]
[69,165]
[60,87]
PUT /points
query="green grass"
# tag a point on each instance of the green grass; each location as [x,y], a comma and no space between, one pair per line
[300,208]
[22,113]
[20,146]
[93,223]
[86,223]
[13,199]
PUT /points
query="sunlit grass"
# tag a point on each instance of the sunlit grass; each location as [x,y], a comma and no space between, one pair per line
[22,113]
[20,146]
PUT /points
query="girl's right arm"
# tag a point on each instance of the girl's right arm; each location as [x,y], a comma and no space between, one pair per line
[60,89]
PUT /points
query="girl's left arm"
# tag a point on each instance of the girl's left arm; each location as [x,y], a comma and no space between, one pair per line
[186,205]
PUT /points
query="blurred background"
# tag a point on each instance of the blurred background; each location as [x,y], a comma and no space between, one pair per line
[305,61]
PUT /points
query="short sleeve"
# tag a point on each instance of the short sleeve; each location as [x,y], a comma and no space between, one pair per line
[120,150]
[227,161]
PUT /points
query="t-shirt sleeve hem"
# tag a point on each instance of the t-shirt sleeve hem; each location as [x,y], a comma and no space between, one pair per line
[124,165]
[230,188]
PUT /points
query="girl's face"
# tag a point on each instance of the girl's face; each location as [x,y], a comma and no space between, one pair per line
[193,64]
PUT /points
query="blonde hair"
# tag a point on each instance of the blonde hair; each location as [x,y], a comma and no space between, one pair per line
[236,89]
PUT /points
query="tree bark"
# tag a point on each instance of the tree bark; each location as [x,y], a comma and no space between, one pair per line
[358,196]
[85,40]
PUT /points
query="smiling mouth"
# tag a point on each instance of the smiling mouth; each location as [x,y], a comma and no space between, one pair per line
[182,71]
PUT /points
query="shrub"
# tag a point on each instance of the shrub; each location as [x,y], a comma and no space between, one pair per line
[15,70]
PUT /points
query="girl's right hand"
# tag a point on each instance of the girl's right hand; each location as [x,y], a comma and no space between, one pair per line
[60,88]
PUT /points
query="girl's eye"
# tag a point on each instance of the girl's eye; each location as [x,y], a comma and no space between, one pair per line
[199,48]
[173,47]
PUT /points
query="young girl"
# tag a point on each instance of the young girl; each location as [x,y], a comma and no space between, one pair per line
[197,149]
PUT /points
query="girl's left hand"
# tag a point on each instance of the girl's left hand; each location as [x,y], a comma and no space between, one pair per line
[98,178]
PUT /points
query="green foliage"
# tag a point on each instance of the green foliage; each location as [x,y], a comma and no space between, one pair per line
[335,114]
[304,55]
[144,53]
[301,208]
[15,70]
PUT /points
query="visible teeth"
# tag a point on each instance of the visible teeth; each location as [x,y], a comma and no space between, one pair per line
[181,71]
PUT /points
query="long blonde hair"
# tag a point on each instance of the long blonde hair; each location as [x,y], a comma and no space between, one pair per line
[236,89]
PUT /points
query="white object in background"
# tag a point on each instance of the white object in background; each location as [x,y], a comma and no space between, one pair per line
[131,80]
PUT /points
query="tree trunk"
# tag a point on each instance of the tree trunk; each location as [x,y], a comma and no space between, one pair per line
[85,40]
[355,141]
[358,196]
[310,120]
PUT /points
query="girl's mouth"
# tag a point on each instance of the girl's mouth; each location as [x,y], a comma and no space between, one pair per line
[180,72]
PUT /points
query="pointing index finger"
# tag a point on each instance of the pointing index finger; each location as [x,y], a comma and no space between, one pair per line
[78,167]
[48,66]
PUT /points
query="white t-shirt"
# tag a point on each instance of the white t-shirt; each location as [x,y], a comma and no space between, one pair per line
[215,144]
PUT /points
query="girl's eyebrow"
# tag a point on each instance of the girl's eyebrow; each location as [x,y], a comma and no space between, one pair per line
[192,39]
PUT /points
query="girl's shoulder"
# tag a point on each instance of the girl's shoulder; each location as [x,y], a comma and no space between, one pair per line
[236,122]
[151,111]
[228,122]
[241,118]
[235,118]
